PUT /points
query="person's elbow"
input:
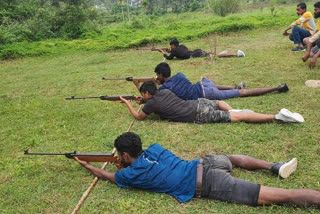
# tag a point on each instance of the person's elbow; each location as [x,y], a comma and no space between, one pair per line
[140,118]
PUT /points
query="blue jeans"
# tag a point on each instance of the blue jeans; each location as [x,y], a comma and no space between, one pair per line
[213,93]
[298,34]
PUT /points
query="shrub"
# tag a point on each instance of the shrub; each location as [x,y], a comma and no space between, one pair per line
[123,35]
[224,7]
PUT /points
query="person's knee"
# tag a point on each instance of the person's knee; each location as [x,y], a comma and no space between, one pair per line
[221,102]
[311,54]
[235,116]
[243,92]
[295,29]
[306,41]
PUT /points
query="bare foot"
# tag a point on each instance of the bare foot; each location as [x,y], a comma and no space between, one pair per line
[305,58]
[312,64]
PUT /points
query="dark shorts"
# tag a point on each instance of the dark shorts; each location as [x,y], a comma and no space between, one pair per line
[208,112]
[213,93]
[199,53]
[316,48]
[218,184]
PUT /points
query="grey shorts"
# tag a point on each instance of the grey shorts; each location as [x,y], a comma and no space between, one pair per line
[218,184]
[208,112]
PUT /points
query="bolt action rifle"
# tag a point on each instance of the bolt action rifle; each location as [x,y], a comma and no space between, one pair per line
[132,79]
[88,157]
[155,49]
[110,98]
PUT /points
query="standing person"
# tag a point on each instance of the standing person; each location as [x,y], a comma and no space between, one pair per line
[170,107]
[182,52]
[156,169]
[301,28]
[185,90]
[314,40]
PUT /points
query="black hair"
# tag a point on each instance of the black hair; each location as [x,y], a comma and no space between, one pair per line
[148,86]
[302,5]
[174,42]
[317,5]
[164,69]
[129,142]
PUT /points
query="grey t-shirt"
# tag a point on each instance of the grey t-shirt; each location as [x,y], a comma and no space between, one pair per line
[170,107]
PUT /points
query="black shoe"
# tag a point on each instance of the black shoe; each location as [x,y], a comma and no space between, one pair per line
[296,49]
[284,169]
[283,87]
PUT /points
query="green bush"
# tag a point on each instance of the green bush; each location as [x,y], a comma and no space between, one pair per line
[125,35]
[225,7]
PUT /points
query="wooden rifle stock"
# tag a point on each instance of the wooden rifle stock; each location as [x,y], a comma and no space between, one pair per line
[88,157]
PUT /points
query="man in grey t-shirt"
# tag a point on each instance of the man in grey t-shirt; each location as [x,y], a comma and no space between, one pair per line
[170,107]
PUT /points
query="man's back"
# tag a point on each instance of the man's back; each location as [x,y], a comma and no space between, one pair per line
[158,170]
[181,52]
[170,107]
[183,88]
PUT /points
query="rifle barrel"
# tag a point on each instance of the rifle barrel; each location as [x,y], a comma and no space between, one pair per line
[26,152]
[113,98]
[103,78]
[82,98]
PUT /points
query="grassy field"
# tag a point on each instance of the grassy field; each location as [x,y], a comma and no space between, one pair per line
[35,115]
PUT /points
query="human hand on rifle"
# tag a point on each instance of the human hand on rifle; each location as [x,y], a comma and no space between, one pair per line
[140,100]
[122,100]
[81,162]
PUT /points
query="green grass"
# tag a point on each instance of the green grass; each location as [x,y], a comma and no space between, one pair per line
[35,115]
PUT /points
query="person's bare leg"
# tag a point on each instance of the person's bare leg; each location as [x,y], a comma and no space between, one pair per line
[224,106]
[313,61]
[224,54]
[248,162]
[301,197]
[256,91]
[251,117]
[309,46]
[225,87]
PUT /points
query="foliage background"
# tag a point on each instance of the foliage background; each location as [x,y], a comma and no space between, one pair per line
[33,28]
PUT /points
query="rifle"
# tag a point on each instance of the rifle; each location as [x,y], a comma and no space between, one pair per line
[133,79]
[155,49]
[110,98]
[88,157]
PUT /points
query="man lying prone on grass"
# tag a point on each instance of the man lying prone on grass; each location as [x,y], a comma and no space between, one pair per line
[182,52]
[170,107]
[158,170]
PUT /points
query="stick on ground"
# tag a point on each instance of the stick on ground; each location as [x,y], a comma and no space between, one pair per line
[96,179]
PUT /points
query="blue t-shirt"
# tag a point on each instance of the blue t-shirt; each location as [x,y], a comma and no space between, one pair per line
[158,170]
[183,88]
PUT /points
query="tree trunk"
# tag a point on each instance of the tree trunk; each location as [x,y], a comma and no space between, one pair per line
[128,10]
